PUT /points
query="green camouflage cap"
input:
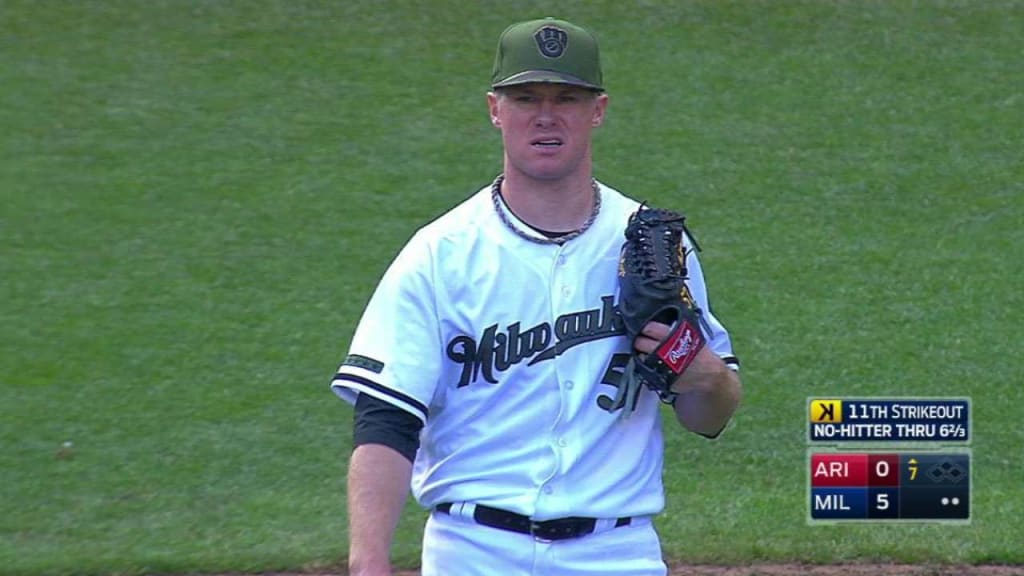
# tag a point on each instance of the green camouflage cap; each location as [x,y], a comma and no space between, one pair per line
[547,50]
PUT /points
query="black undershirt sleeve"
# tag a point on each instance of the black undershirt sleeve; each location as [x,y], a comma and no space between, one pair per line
[377,422]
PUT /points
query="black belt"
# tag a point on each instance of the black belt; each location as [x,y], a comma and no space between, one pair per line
[548,530]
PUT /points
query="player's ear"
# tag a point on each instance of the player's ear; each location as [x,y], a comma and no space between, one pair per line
[600,106]
[492,108]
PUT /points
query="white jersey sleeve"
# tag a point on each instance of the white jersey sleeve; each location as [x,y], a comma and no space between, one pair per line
[714,332]
[394,354]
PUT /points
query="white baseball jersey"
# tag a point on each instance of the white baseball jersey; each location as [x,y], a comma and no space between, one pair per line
[510,352]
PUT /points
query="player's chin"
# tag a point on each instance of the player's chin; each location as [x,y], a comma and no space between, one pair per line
[548,160]
[548,168]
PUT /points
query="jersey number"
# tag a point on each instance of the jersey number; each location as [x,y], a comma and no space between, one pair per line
[613,377]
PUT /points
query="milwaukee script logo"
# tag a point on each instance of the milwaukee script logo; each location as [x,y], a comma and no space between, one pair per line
[501,350]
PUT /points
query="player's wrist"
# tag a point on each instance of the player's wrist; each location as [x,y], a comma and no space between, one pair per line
[706,373]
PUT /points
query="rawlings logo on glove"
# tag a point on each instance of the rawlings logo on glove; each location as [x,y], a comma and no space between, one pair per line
[652,288]
[679,350]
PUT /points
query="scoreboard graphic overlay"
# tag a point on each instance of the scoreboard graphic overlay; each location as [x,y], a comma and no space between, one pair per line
[889,460]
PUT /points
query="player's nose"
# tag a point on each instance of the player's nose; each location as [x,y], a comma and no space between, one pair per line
[545,117]
[545,111]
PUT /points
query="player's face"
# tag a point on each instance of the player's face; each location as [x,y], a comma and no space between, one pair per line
[546,128]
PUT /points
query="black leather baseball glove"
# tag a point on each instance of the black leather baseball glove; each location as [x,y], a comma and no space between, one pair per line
[652,288]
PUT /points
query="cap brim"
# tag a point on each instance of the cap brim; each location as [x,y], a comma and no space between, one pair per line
[544,77]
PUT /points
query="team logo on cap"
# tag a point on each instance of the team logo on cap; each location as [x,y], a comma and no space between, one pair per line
[551,41]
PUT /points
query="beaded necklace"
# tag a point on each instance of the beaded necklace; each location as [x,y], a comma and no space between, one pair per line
[496,198]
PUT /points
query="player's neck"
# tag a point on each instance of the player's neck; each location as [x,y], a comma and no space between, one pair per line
[552,205]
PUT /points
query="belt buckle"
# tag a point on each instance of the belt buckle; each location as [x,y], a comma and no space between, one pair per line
[548,531]
[535,527]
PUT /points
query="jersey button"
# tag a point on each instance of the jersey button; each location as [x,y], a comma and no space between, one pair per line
[563,442]
[548,489]
[561,260]
[569,385]
[566,291]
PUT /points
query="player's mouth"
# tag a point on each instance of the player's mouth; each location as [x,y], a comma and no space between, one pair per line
[546,143]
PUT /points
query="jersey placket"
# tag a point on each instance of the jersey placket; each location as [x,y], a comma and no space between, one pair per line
[563,298]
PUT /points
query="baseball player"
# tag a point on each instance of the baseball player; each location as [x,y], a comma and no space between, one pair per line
[486,368]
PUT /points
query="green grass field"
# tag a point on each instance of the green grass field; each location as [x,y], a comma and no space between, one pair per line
[198,198]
